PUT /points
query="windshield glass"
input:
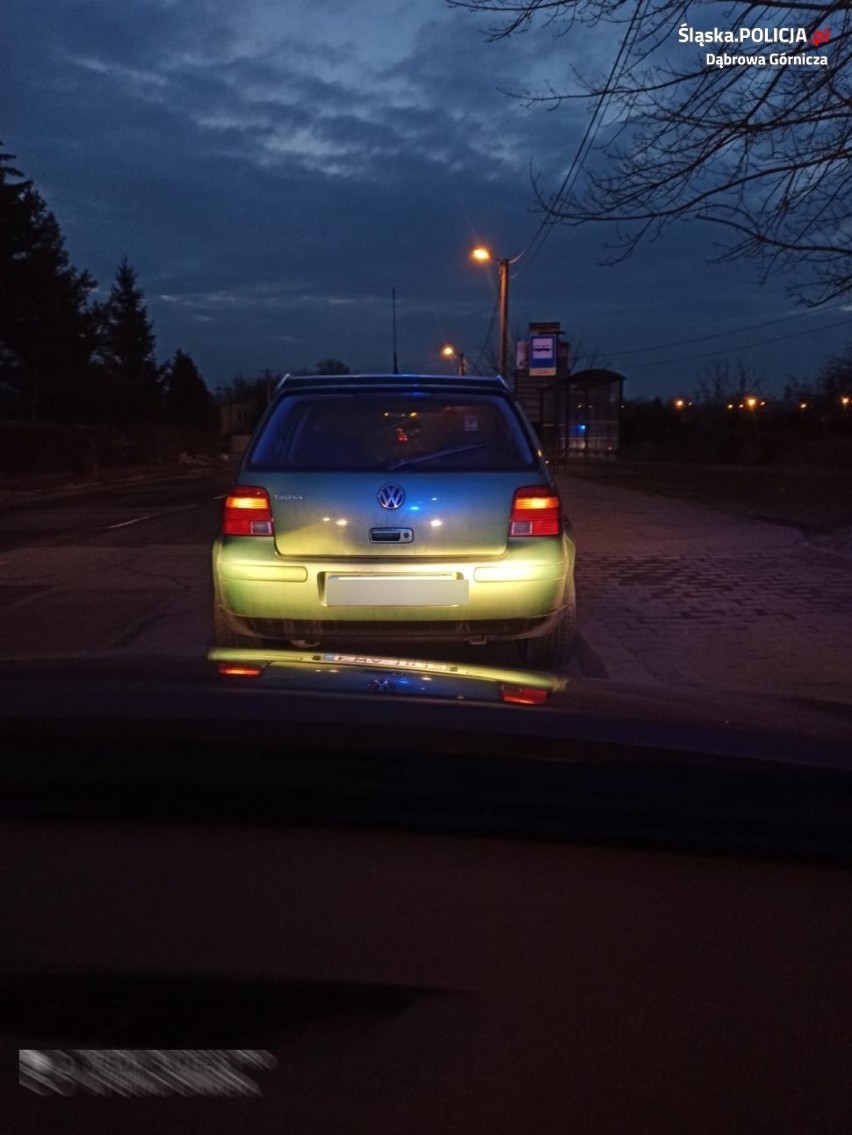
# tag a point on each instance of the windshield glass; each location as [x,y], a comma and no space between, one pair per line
[425,567]
[260,270]
[374,432]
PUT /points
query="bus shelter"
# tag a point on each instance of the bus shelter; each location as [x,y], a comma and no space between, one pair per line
[577,416]
[592,415]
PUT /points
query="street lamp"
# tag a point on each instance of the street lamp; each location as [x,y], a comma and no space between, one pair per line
[483,256]
[449,352]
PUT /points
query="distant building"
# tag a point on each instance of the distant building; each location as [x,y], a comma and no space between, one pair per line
[235,418]
[576,414]
[236,424]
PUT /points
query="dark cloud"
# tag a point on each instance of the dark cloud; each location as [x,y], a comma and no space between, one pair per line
[273,170]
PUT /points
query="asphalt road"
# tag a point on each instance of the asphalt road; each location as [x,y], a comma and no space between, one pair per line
[118,569]
[126,570]
[670,593]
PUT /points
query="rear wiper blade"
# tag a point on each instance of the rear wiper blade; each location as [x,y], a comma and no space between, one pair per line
[434,456]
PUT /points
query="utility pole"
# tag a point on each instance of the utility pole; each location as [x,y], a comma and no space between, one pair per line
[483,256]
[504,317]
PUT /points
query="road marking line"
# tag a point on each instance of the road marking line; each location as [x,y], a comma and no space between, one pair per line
[151,516]
[138,520]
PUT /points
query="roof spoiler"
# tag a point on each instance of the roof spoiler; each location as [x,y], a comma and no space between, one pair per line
[342,381]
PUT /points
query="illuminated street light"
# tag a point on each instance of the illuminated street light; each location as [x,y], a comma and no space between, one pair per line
[751,403]
[679,403]
[483,256]
[449,352]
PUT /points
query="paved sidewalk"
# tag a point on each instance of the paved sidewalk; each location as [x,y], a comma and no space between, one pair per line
[684,595]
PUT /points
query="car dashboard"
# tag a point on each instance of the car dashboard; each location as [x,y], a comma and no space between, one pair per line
[350,929]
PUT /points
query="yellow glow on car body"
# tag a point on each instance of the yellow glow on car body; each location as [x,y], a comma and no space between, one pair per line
[458,536]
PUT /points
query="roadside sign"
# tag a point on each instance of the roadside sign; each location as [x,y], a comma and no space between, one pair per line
[543,356]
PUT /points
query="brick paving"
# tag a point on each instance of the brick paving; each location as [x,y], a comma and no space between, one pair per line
[684,595]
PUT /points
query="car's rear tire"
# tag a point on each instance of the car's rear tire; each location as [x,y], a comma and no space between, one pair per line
[224,635]
[550,651]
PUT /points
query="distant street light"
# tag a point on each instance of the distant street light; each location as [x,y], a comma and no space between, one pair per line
[483,256]
[449,352]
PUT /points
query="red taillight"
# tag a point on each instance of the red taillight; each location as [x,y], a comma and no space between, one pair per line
[523,695]
[536,511]
[239,670]
[247,512]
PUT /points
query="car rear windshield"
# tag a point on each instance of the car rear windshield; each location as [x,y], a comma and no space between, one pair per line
[376,432]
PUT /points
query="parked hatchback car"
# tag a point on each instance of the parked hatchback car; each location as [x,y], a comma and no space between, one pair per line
[397,508]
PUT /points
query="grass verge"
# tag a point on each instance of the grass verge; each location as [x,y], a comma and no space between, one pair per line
[810,497]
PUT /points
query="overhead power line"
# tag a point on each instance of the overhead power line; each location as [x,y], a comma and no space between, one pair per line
[721,334]
[742,346]
[543,231]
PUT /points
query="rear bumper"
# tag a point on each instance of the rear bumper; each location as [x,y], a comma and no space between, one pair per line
[350,631]
[521,594]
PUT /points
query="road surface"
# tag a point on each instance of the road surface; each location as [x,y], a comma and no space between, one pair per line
[670,593]
[127,570]
[119,569]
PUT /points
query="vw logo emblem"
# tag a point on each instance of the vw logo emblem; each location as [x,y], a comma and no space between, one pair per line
[391,496]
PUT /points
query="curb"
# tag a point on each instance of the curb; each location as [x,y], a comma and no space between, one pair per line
[600,655]
[586,658]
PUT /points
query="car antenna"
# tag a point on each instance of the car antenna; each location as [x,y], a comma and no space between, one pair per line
[393,301]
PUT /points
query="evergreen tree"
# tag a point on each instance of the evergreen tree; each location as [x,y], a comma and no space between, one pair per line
[127,350]
[188,402]
[47,329]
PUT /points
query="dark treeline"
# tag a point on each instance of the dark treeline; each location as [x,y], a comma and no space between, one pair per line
[254,394]
[732,418]
[66,357]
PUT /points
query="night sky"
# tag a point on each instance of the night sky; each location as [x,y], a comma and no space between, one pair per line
[273,169]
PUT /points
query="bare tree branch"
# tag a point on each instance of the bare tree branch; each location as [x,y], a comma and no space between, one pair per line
[760,149]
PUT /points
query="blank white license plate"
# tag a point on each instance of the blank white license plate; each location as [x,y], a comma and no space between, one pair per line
[395,591]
